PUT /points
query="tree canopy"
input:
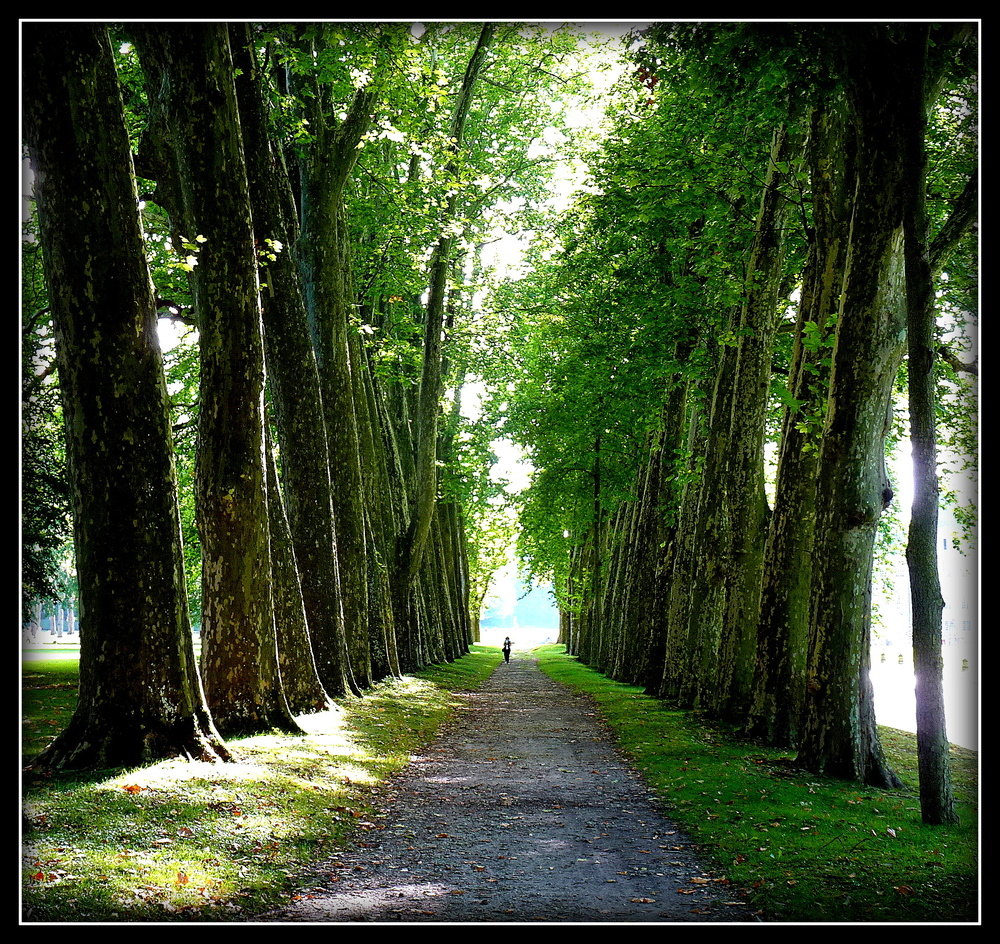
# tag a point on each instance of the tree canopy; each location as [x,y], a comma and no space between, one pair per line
[700,348]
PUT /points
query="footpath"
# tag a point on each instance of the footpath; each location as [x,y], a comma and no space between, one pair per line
[520,811]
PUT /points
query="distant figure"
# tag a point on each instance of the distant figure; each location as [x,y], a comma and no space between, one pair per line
[506,649]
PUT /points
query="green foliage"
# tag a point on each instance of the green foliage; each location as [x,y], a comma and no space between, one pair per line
[45,504]
[181,369]
[631,299]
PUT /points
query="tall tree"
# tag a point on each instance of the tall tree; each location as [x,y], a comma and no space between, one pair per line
[936,798]
[839,735]
[325,256]
[140,697]
[775,713]
[190,73]
[429,397]
[293,374]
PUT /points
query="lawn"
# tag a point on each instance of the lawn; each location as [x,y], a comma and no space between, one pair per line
[803,847]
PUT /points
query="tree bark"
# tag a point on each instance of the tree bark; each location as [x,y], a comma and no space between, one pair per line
[190,72]
[775,714]
[937,804]
[296,661]
[839,736]
[293,377]
[140,697]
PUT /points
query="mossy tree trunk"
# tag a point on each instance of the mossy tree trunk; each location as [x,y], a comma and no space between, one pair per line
[189,71]
[140,697]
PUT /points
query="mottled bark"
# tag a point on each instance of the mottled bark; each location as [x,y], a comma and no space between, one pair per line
[140,698]
[678,684]
[189,71]
[324,256]
[293,376]
[839,735]
[775,713]
[749,514]
[296,663]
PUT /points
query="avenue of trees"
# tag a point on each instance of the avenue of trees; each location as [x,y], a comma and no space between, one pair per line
[775,247]
[309,199]
[778,247]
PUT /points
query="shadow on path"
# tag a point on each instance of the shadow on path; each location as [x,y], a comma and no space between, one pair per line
[520,811]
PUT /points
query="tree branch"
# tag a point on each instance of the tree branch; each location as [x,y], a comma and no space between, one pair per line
[964,215]
[955,364]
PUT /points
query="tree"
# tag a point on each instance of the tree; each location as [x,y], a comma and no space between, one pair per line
[293,378]
[936,800]
[886,86]
[430,390]
[140,698]
[202,174]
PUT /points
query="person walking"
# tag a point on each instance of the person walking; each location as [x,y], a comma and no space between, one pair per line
[506,649]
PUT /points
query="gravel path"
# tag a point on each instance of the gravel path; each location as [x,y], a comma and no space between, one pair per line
[520,811]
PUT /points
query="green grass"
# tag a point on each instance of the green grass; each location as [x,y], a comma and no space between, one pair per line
[227,842]
[216,842]
[802,847]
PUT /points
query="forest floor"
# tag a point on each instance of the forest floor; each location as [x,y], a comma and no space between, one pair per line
[521,810]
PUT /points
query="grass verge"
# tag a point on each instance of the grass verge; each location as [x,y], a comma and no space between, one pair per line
[216,842]
[802,846]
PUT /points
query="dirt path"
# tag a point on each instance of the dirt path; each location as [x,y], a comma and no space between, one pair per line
[520,811]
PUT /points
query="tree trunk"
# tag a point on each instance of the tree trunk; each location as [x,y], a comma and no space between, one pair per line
[190,74]
[296,662]
[775,713]
[748,518]
[937,804]
[429,396]
[840,737]
[293,377]
[325,259]
[140,698]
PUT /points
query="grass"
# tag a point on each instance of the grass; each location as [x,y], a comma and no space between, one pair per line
[227,842]
[802,846]
[216,842]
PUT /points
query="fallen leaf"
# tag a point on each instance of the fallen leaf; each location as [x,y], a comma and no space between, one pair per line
[182,878]
[643,901]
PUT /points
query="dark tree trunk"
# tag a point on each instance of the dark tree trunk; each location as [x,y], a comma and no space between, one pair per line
[296,662]
[937,804]
[749,514]
[325,259]
[775,714]
[190,73]
[140,697]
